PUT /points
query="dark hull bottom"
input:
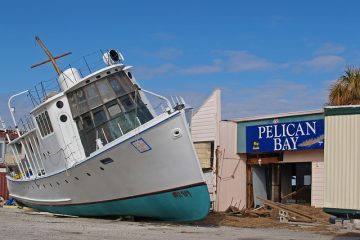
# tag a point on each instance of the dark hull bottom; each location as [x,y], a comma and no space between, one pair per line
[184,204]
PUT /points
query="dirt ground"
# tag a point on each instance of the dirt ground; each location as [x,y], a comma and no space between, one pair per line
[25,224]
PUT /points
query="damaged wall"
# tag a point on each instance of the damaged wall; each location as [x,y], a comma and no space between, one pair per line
[316,157]
[205,129]
[231,175]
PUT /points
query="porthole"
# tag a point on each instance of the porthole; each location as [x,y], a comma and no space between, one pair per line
[59,104]
[63,118]
[176,133]
[130,75]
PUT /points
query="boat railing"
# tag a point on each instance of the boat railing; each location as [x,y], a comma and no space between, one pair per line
[85,65]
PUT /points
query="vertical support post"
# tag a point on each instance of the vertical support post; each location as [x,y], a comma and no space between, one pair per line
[28,159]
[104,135]
[122,133]
[39,153]
[33,157]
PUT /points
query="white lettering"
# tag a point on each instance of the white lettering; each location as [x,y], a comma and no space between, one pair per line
[269,132]
[276,131]
[299,130]
[261,131]
[288,128]
[312,128]
[283,130]
[294,141]
[286,145]
[277,144]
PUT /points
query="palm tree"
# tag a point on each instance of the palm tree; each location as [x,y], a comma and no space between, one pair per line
[346,90]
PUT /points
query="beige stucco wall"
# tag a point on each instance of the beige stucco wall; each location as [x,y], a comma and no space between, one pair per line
[231,178]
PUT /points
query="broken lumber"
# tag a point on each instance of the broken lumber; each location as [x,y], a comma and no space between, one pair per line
[288,209]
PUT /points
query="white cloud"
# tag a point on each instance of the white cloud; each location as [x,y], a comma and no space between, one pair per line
[274,97]
[240,61]
[326,62]
[201,70]
[143,72]
[168,53]
[330,48]
[233,61]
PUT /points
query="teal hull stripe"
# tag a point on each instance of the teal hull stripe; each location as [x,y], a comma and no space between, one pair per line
[187,204]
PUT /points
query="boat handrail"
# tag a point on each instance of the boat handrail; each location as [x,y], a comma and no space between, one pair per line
[159,96]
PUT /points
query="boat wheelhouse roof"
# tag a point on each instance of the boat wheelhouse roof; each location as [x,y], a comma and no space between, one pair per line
[84,81]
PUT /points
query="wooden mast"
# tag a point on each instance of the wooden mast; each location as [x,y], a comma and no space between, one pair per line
[51,58]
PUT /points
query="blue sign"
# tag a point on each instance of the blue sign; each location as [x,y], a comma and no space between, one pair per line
[285,136]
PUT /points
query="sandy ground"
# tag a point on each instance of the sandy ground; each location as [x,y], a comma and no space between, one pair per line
[20,224]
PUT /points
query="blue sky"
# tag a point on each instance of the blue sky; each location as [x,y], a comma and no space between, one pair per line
[266,56]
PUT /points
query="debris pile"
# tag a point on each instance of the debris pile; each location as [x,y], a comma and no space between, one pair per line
[271,214]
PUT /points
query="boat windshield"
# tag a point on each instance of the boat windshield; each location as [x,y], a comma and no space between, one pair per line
[107,109]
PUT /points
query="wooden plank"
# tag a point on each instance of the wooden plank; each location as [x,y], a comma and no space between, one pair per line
[290,210]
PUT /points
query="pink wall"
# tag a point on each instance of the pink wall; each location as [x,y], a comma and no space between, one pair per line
[231,178]
[304,156]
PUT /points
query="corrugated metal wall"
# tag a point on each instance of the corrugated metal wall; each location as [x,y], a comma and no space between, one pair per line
[3,185]
[342,161]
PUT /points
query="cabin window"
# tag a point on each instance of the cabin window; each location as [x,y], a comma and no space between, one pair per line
[44,124]
[99,117]
[48,122]
[39,123]
[78,123]
[92,95]
[118,89]
[113,109]
[73,104]
[81,101]
[127,103]
[105,91]
[125,82]
[87,122]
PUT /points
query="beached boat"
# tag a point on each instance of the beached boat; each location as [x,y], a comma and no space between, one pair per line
[99,148]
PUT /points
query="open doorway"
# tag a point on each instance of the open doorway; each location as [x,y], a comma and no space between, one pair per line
[277,181]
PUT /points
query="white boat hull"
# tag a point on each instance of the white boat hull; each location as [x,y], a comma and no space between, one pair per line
[154,173]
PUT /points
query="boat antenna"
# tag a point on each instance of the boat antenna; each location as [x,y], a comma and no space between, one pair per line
[51,58]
